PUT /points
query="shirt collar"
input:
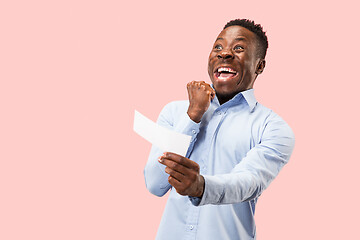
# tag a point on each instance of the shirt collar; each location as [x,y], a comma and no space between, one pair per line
[248,95]
[250,98]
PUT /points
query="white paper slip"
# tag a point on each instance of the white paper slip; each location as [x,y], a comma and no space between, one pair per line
[163,138]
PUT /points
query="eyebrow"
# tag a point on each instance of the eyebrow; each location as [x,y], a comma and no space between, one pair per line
[240,39]
[236,39]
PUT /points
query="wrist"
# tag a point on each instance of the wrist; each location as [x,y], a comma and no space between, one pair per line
[195,115]
[201,187]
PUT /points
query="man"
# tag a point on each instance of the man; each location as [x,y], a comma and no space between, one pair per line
[238,146]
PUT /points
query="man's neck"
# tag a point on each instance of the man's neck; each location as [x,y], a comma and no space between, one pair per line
[223,99]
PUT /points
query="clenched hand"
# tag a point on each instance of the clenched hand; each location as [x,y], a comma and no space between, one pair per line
[200,95]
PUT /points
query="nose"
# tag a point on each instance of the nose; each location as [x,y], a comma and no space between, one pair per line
[225,55]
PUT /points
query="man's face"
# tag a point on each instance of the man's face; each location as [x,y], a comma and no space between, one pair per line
[233,62]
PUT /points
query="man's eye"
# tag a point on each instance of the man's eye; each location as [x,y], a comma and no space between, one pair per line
[218,47]
[238,47]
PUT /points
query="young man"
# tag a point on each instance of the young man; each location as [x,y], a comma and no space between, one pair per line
[238,146]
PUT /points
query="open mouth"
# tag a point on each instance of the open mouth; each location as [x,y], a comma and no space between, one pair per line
[224,73]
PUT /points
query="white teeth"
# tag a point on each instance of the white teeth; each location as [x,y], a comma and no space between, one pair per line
[223,69]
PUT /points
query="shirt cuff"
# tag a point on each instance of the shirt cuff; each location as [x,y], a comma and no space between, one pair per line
[188,127]
[195,200]
[214,191]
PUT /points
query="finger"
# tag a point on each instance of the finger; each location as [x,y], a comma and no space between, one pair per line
[181,160]
[210,89]
[205,84]
[198,85]
[173,173]
[175,166]
[176,184]
[191,83]
[211,94]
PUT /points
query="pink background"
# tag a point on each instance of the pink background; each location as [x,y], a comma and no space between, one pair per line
[73,72]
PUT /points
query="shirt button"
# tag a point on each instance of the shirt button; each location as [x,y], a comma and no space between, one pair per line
[219,113]
[191,227]
[193,131]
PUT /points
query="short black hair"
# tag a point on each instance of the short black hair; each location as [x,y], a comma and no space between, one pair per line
[255,28]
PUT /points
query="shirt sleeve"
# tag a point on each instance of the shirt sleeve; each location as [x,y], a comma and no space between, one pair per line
[174,117]
[253,174]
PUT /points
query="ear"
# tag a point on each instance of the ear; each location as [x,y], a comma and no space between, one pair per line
[260,66]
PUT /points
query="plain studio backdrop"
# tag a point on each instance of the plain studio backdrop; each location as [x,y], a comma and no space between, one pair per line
[73,72]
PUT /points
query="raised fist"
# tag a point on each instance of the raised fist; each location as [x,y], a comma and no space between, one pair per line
[200,96]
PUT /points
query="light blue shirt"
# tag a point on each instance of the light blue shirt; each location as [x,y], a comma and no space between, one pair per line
[240,146]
